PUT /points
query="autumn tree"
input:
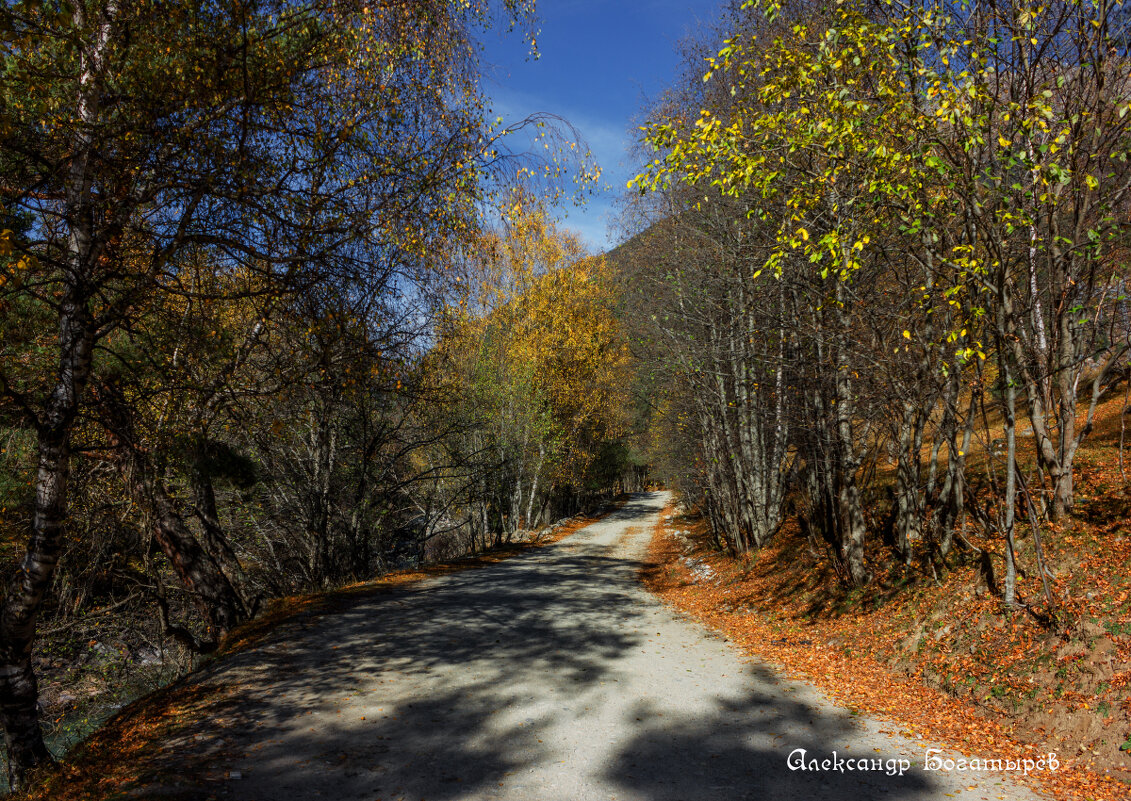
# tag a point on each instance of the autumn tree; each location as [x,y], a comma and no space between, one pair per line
[940,186]
[268,135]
[1040,131]
[538,353]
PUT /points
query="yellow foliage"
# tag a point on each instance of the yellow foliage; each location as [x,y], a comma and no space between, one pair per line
[541,342]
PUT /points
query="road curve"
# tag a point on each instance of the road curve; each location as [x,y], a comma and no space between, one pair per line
[552,676]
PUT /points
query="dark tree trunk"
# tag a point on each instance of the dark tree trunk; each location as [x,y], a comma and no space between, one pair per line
[219,603]
[217,599]
[214,536]
[19,694]
[19,690]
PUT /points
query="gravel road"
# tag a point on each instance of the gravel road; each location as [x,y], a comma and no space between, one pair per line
[552,676]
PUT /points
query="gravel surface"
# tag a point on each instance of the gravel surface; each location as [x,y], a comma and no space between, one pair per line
[552,676]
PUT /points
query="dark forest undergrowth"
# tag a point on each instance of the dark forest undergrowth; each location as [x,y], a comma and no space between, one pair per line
[152,734]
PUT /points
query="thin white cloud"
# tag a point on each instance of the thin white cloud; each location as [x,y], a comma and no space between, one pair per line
[609,141]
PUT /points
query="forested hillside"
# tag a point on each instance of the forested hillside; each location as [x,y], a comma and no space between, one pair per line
[884,233]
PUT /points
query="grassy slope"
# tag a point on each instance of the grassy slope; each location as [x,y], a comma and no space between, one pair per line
[943,658]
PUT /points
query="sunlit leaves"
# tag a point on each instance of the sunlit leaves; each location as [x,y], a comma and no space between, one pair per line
[544,358]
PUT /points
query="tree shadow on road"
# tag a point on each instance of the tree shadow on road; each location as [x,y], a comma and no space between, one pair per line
[415,694]
[740,751]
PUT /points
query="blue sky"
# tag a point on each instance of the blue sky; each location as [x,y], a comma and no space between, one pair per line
[600,62]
